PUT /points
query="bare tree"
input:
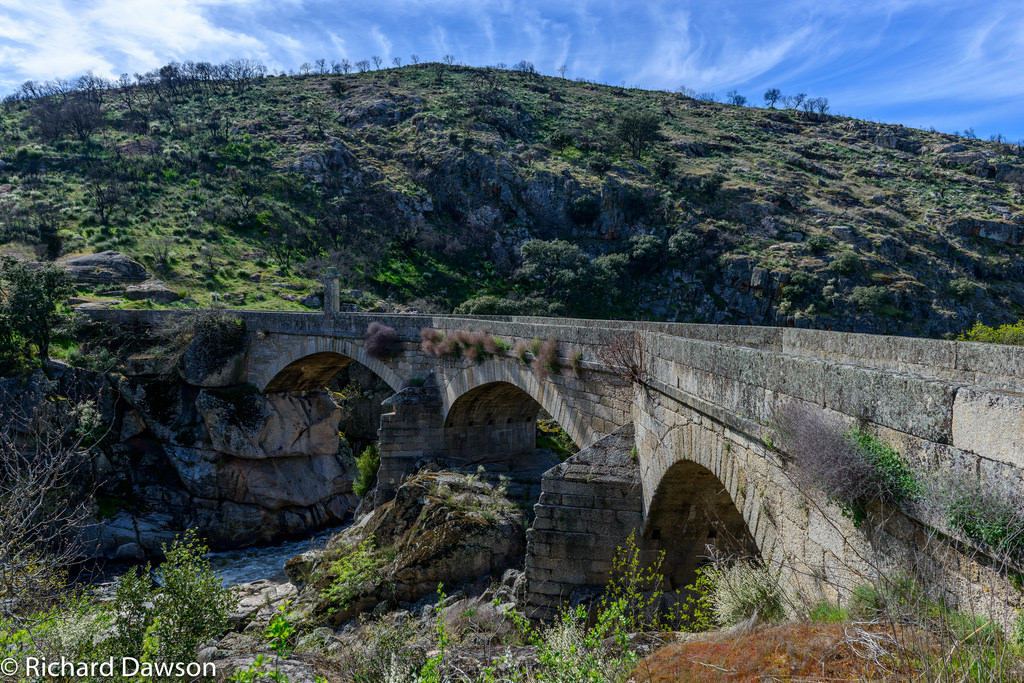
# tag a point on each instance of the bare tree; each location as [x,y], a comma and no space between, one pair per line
[707,96]
[449,59]
[376,61]
[305,68]
[44,504]
[397,61]
[771,96]
[363,65]
[686,91]
[794,101]
[562,69]
[346,65]
[321,66]
[414,58]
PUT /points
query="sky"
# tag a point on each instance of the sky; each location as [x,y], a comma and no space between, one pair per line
[923,63]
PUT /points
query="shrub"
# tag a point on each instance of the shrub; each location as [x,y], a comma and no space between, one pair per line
[870,298]
[845,263]
[358,566]
[747,590]
[987,512]
[546,361]
[599,164]
[962,288]
[853,469]
[368,463]
[381,341]
[1004,334]
[191,606]
[585,209]
[683,244]
[710,184]
[818,244]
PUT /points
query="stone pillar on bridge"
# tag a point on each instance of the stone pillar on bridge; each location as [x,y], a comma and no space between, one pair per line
[332,295]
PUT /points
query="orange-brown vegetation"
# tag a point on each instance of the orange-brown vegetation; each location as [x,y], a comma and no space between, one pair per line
[790,652]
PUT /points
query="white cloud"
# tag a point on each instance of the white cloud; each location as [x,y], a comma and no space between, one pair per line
[65,38]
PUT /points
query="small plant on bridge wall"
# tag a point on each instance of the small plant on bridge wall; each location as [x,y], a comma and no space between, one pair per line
[476,346]
[986,511]
[853,468]
[522,352]
[380,341]
[627,356]
[546,359]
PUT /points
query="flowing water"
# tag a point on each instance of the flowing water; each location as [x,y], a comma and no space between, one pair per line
[264,562]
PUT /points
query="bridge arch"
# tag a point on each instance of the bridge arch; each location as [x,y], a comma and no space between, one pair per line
[307,363]
[691,516]
[506,395]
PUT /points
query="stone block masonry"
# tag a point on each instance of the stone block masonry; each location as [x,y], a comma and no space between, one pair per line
[701,427]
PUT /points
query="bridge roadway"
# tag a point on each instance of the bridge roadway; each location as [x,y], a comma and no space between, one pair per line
[688,455]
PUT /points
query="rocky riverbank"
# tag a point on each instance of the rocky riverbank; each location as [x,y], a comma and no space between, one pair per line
[173,441]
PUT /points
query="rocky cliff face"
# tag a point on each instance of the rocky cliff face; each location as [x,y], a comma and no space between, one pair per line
[239,466]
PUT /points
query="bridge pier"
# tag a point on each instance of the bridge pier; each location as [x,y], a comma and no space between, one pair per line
[588,506]
[413,430]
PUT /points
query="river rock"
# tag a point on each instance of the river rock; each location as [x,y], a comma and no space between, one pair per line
[441,527]
[258,601]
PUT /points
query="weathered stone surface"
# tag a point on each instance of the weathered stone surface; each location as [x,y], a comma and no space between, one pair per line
[442,527]
[105,267]
[247,424]
[991,424]
[258,600]
[154,290]
[215,356]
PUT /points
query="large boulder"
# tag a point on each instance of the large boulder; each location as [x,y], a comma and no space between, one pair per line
[441,528]
[154,290]
[215,356]
[247,424]
[105,268]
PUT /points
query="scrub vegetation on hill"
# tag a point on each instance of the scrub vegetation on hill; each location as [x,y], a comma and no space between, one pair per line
[504,191]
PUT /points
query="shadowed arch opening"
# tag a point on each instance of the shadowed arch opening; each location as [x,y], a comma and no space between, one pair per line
[691,517]
[492,422]
[309,373]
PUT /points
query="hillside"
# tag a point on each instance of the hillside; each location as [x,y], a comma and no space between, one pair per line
[422,185]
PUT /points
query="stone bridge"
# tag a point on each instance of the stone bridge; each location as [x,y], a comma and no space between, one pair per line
[684,456]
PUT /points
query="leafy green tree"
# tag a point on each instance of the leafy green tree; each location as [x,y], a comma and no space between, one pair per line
[559,271]
[638,130]
[30,300]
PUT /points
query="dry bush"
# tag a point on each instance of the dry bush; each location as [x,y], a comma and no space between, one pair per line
[627,356]
[380,341]
[431,337]
[804,652]
[546,359]
[824,459]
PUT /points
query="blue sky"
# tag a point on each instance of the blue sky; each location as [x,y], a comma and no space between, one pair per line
[921,63]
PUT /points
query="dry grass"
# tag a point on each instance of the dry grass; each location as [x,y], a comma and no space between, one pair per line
[790,652]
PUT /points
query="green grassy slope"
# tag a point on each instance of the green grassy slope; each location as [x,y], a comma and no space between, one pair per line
[421,184]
